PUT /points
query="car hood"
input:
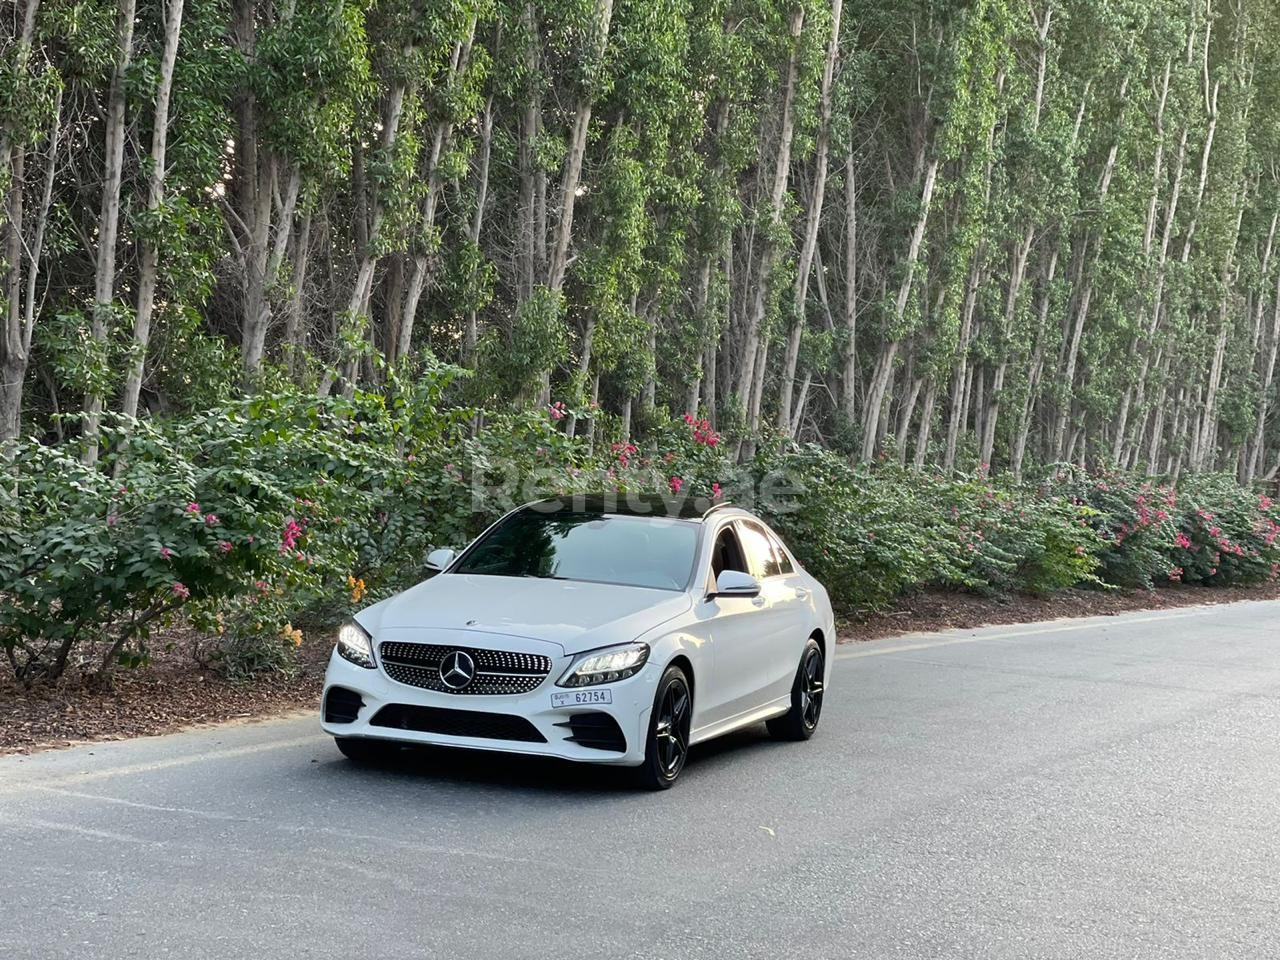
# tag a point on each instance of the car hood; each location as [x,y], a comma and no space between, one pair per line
[575,615]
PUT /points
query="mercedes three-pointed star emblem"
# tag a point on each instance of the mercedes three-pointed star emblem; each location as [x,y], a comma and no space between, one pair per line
[457,670]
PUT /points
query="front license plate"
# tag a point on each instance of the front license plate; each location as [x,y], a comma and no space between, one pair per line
[581,698]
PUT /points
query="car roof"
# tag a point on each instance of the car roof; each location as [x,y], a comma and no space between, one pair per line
[633,505]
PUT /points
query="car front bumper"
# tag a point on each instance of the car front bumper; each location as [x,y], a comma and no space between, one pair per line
[525,723]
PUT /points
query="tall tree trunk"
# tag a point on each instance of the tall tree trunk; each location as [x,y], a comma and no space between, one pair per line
[1035,366]
[530,130]
[1268,381]
[751,345]
[572,173]
[471,334]
[926,424]
[442,136]
[14,343]
[809,244]
[13,356]
[849,380]
[155,197]
[293,337]
[104,274]
[884,366]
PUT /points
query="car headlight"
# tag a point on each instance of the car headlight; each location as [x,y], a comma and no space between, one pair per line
[355,644]
[606,666]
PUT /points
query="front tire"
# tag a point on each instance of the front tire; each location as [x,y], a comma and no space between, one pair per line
[801,720]
[667,746]
[365,751]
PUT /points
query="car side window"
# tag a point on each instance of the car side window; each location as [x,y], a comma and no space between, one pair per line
[759,550]
[727,554]
[785,565]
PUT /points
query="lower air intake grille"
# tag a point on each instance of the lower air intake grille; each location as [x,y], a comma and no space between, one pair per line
[458,723]
[341,705]
[498,672]
[596,730]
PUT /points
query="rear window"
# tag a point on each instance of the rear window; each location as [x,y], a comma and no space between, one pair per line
[594,548]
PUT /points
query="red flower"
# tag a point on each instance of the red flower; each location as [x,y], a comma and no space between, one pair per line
[676,484]
[715,491]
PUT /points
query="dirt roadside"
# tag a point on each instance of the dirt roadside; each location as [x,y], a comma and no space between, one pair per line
[176,693]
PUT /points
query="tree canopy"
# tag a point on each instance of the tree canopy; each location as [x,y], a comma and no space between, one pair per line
[950,232]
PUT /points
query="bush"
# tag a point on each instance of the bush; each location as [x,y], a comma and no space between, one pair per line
[277,513]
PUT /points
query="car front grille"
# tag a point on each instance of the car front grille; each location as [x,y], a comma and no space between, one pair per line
[457,723]
[498,672]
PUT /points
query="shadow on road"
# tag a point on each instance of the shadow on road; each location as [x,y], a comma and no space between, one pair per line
[539,774]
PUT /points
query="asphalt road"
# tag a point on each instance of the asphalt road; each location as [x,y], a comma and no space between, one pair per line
[1085,789]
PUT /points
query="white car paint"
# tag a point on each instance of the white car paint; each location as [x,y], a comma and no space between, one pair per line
[742,652]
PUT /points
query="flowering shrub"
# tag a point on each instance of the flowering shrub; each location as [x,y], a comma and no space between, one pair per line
[1209,530]
[280,514]
[94,559]
[872,534]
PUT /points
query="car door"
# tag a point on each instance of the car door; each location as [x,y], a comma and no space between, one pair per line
[728,625]
[779,621]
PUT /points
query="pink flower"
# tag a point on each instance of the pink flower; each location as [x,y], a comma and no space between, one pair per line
[112,520]
[1175,574]
[668,456]
[1183,540]
[224,546]
[715,491]
[165,553]
[193,508]
[676,484]
[180,591]
[557,410]
[123,490]
[1264,502]
[211,520]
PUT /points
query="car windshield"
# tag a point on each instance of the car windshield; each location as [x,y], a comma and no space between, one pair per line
[599,548]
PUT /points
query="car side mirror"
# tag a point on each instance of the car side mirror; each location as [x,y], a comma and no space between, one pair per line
[439,559]
[735,583]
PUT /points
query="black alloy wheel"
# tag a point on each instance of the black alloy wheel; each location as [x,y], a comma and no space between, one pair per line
[801,720]
[667,746]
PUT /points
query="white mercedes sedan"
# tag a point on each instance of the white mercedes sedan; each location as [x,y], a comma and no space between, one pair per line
[607,629]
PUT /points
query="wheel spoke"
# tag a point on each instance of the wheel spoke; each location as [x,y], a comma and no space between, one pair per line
[670,736]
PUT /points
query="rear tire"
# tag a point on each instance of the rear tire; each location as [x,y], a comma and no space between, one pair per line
[365,751]
[667,745]
[801,720]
